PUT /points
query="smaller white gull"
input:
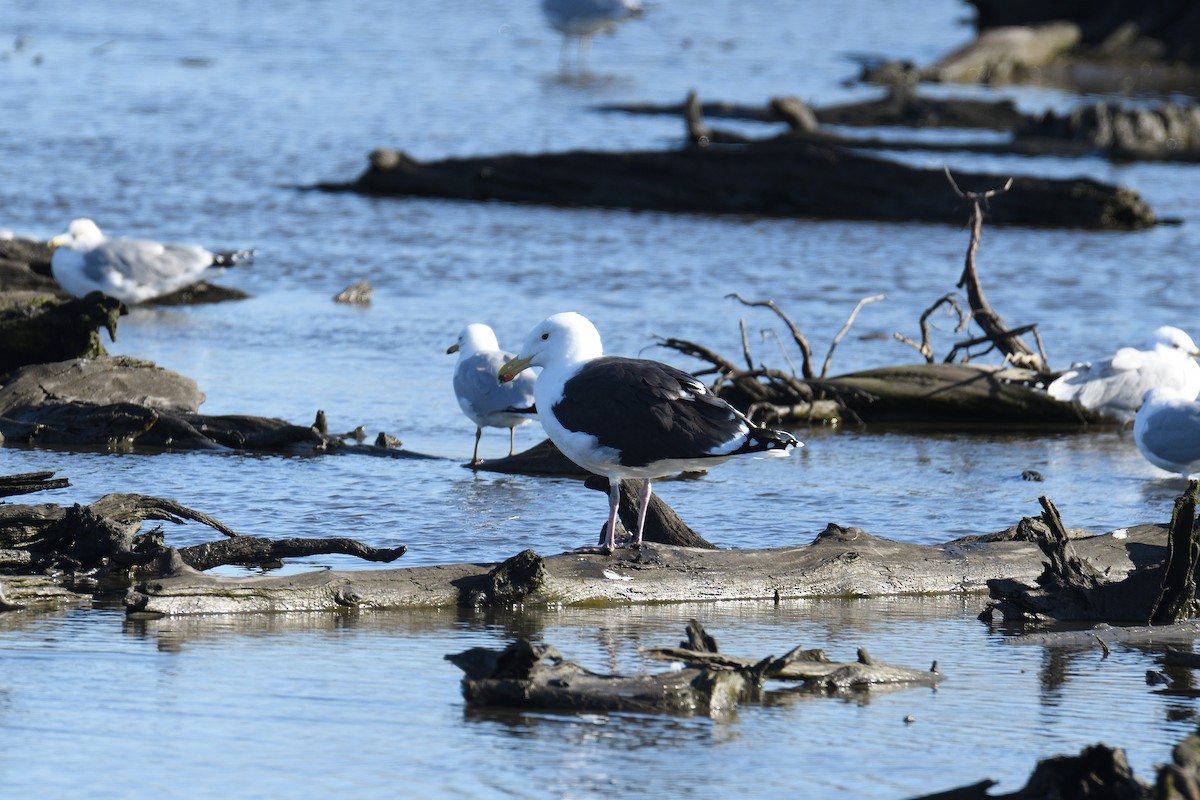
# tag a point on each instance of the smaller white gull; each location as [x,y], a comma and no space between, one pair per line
[582,19]
[1167,431]
[131,270]
[1115,386]
[482,397]
[630,417]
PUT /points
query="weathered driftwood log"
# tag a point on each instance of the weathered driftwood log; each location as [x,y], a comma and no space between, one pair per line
[1098,771]
[524,675]
[128,402]
[1071,588]
[951,394]
[1005,55]
[898,106]
[1123,30]
[37,327]
[782,178]
[29,482]
[810,666]
[93,547]
[840,562]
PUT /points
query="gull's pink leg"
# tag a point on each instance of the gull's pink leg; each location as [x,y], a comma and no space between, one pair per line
[609,545]
[642,507]
[475,455]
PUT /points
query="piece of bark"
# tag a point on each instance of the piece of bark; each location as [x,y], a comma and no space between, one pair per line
[541,459]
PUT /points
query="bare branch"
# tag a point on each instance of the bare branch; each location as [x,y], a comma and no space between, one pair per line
[991,323]
[925,348]
[782,350]
[745,344]
[797,336]
[849,321]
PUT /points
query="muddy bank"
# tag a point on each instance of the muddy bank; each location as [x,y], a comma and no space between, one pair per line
[778,178]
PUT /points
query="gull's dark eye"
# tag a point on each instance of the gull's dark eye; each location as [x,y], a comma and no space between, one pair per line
[545,336]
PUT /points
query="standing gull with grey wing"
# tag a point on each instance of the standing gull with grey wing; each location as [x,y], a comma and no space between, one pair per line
[482,397]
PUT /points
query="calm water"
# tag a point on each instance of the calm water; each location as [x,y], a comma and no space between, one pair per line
[189,121]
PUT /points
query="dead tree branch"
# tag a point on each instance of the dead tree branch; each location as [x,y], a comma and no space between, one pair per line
[805,350]
[924,348]
[849,321]
[1013,347]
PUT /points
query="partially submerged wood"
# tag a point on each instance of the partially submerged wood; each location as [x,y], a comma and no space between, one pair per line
[37,327]
[94,547]
[127,402]
[810,666]
[1073,588]
[771,178]
[527,676]
[1099,771]
[524,675]
[840,562]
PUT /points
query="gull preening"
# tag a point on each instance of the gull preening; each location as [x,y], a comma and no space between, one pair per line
[131,270]
[482,397]
[1115,387]
[582,19]
[630,417]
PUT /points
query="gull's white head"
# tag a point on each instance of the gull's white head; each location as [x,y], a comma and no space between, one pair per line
[1169,339]
[475,338]
[561,339]
[81,232]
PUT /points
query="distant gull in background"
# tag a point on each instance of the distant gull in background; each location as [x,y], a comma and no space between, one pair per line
[1115,386]
[581,19]
[628,417]
[1167,431]
[482,397]
[131,270]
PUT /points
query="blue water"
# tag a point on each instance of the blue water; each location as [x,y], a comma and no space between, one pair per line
[194,121]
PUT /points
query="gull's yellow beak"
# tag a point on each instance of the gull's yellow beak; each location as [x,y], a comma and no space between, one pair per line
[452,348]
[512,368]
[58,241]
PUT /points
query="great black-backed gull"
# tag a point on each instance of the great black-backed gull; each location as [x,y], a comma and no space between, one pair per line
[1115,386]
[581,19]
[1167,431]
[627,417]
[482,397]
[131,270]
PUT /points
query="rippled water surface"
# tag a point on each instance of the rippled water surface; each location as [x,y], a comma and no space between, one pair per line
[195,121]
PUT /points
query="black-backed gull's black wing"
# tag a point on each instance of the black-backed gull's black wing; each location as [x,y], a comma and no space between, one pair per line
[648,411]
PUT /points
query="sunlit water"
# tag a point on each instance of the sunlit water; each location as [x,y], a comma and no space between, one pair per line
[193,122]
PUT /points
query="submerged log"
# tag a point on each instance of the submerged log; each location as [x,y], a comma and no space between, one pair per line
[838,563]
[773,178]
[1072,588]
[524,675]
[952,394]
